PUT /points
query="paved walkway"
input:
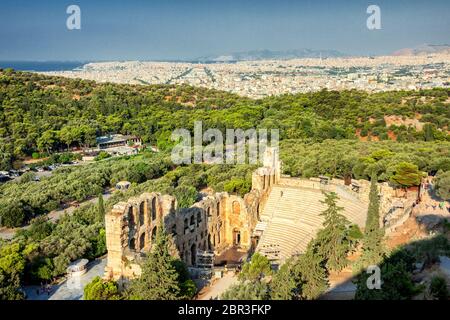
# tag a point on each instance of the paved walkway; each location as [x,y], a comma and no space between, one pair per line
[56,214]
[341,291]
[218,287]
[53,216]
[69,290]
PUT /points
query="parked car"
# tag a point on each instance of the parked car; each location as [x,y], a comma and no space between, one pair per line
[4,178]
[14,173]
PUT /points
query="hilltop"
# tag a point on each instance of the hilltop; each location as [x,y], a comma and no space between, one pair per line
[423,49]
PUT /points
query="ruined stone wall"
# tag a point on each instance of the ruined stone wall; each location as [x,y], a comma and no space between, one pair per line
[264,178]
[130,227]
[312,183]
[215,223]
[395,204]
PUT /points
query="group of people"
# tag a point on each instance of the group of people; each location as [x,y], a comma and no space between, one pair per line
[45,288]
[428,185]
[440,205]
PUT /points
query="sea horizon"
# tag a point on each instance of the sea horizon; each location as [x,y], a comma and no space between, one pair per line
[42,66]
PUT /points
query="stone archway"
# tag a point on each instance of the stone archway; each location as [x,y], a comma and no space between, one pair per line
[131,229]
[132,244]
[193,255]
[199,218]
[236,237]
[153,208]
[131,219]
[142,241]
[154,230]
[141,213]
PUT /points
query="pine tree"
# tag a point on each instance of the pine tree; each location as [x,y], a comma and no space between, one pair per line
[159,278]
[101,208]
[249,290]
[312,274]
[373,249]
[428,132]
[373,212]
[332,243]
[284,283]
[99,289]
[257,268]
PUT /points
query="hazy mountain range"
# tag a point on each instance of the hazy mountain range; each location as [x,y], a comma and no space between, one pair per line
[273,55]
[312,53]
[423,49]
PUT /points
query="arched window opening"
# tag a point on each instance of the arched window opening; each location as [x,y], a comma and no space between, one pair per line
[132,244]
[154,231]
[193,255]
[142,242]
[154,208]
[131,220]
[236,237]
[141,213]
[199,218]
[186,225]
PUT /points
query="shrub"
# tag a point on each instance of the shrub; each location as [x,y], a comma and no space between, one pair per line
[98,289]
[12,214]
[102,155]
[438,288]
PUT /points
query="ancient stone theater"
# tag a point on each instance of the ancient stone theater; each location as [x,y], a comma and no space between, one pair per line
[277,218]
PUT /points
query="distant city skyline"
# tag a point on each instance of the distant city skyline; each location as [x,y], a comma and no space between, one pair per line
[184,30]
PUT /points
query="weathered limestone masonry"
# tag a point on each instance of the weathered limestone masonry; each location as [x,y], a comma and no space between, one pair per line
[395,204]
[215,223]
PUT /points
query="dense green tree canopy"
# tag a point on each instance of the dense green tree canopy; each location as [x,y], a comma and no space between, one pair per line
[257,268]
[443,185]
[406,175]
[159,278]
[98,289]
[332,241]
[41,113]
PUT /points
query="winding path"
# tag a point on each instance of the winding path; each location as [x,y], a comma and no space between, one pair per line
[54,216]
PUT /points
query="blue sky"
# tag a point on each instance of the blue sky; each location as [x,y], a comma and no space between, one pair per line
[186,29]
